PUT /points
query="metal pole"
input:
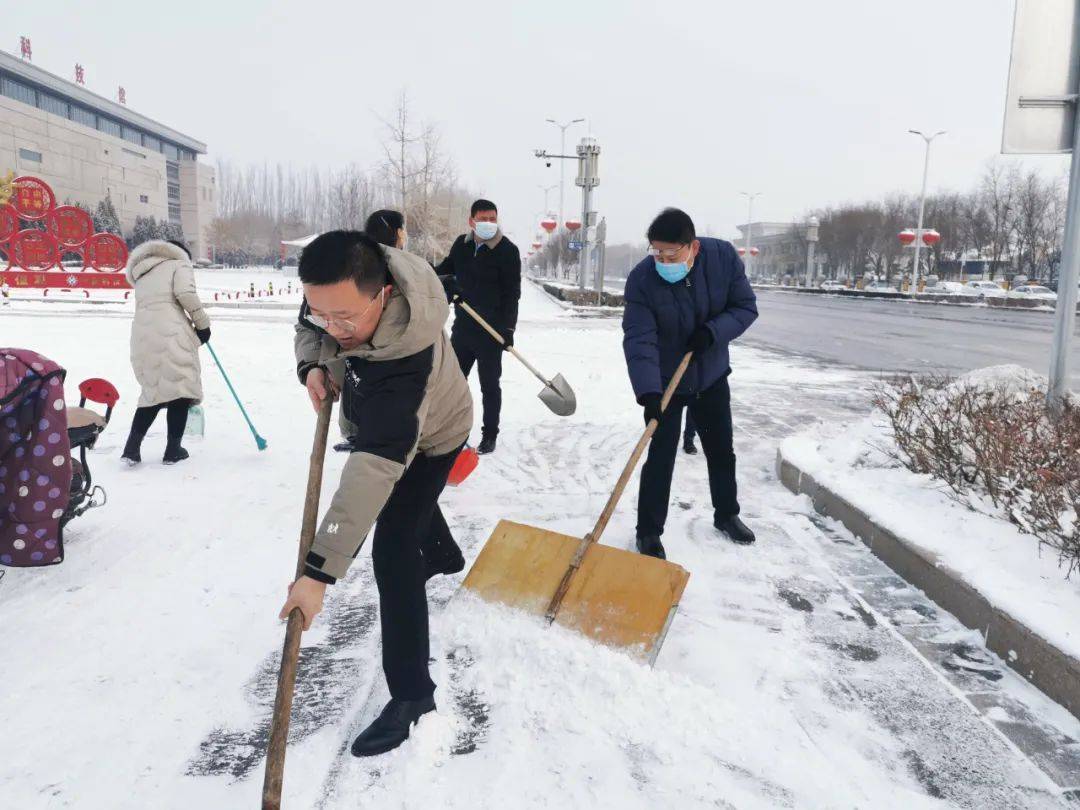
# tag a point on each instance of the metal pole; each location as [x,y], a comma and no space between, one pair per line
[583,254]
[922,208]
[810,269]
[1068,281]
[748,241]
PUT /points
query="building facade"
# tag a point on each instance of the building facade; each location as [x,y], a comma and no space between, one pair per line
[87,147]
[782,250]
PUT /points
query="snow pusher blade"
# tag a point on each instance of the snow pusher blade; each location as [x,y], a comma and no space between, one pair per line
[614,597]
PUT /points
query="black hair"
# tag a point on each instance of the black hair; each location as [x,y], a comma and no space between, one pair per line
[672,225]
[338,255]
[383,226]
[181,245]
[482,205]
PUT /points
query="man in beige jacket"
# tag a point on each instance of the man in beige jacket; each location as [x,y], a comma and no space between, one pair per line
[381,313]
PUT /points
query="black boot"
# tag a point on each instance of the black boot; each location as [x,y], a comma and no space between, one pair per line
[651,546]
[689,448]
[391,728]
[173,451]
[131,452]
[736,530]
[487,445]
[440,560]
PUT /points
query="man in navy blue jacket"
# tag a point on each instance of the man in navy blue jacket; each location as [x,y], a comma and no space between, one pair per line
[689,294]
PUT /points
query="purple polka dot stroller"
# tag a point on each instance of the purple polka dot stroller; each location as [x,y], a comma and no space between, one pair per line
[42,486]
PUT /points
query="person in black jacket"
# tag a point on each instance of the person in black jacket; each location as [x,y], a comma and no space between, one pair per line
[483,268]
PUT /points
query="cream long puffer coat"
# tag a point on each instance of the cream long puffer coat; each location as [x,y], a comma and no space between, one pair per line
[164,346]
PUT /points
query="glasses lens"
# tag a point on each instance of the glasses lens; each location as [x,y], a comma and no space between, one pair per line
[317,320]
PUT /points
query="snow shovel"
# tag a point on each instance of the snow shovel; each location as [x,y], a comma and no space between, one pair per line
[556,393]
[615,597]
[279,722]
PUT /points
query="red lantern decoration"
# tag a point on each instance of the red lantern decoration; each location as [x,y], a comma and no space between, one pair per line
[754,251]
[34,250]
[9,222]
[106,252]
[907,237]
[548,224]
[931,237]
[572,224]
[742,251]
[33,199]
[70,226]
[536,245]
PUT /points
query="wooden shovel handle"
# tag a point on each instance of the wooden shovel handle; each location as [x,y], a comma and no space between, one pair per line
[616,494]
[491,331]
[279,723]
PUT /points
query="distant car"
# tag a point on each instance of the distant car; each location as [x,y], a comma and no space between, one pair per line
[984,289]
[881,287]
[947,288]
[1035,292]
[832,286]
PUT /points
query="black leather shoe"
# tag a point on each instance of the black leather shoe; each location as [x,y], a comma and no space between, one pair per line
[441,561]
[689,448]
[651,547]
[487,445]
[736,530]
[391,728]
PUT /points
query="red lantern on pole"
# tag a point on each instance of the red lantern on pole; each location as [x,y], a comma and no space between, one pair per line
[931,237]
[572,224]
[754,251]
[907,237]
[536,245]
[742,251]
[548,224]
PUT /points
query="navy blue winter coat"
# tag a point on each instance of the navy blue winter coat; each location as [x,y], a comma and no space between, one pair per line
[659,319]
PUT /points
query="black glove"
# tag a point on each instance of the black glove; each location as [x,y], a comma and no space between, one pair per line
[450,287]
[508,338]
[204,334]
[651,404]
[701,339]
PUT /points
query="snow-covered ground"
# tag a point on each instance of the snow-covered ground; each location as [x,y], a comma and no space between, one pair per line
[140,673]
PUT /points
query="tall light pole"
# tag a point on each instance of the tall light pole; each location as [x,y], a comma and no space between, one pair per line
[749,228]
[562,168]
[922,207]
[546,190]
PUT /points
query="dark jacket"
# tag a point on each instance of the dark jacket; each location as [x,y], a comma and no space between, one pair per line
[489,279]
[659,319]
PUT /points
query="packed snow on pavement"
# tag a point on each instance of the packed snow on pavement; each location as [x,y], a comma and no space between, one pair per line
[141,671]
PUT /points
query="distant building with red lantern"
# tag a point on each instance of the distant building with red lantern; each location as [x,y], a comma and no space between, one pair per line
[86,146]
[777,249]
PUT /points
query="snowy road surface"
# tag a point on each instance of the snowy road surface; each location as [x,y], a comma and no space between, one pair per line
[798,672]
[905,335]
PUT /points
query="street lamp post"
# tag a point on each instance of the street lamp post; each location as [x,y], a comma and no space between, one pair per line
[812,226]
[749,229]
[922,207]
[562,168]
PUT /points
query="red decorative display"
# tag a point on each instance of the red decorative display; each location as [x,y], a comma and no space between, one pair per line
[907,237]
[71,226]
[106,253]
[9,222]
[34,250]
[33,199]
[931,237]
[536,245]
[548,224]
[754,251]
[742,251]
[24,48]
[572,224]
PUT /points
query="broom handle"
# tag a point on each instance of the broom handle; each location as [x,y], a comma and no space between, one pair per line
[491,331]
[279,724]
[616,494]
[232,390]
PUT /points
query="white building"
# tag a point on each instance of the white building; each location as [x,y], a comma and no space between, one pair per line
[86,147]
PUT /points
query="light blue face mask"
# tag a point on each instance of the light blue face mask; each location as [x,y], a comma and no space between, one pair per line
[672,273]
[485,230]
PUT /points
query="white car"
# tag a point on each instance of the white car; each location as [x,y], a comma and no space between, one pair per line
[1035,292]
[984,289]
[832,286]
[947,288]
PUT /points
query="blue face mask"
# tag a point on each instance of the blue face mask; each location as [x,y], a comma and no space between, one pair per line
[672,273]
[485,230]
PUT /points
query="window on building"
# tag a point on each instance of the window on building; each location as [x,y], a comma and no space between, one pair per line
[29,154]
[52,104]
[110,127]
[171,152]
[150,142]
[133,135]
[18,91]
[81,115]
[143,198]
[174,212]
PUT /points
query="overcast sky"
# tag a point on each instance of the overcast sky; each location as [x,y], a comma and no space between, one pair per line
[692,102]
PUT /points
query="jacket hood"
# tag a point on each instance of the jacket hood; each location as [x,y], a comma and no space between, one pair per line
[415,316]
[149,255]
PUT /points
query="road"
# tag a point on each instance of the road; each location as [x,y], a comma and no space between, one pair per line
[904,335]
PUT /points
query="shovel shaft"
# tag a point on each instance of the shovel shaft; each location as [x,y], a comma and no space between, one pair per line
[616,494]
[491,331]
[279,724]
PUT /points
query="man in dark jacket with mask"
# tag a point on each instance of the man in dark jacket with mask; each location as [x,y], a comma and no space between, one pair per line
[689,294]
[484,269]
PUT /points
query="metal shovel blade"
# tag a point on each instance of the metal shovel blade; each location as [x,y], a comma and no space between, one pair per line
[559,396]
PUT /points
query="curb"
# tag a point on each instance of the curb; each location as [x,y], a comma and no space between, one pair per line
[1054,672]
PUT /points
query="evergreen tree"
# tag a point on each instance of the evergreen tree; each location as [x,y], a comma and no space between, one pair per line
[145,229]
[105,217]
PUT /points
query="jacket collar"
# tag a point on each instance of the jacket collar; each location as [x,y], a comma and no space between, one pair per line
[491,243]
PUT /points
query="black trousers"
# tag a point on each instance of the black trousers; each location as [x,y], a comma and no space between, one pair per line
[176,413]
[689,431]
[482,349]
[711,410]
[410,520]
